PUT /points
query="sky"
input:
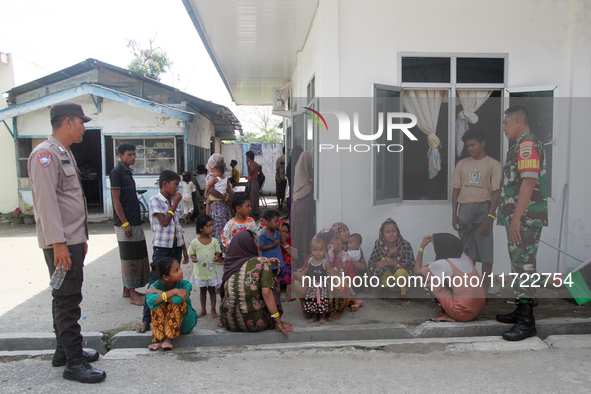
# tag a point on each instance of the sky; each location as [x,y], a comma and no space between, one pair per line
[56,34]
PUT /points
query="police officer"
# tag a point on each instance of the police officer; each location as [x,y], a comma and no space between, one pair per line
[62,232]
[523,210]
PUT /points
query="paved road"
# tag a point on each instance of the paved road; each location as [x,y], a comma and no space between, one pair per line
[392,369]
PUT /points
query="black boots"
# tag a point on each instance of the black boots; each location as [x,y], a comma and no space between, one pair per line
[525,325]
[59,357]
[509,318]
[78,368]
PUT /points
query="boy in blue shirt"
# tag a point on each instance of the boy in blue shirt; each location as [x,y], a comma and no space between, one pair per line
[270,240]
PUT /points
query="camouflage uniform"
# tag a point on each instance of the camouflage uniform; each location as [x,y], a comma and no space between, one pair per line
[526,159]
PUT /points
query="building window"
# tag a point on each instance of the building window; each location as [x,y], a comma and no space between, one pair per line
[446,105]
[152,154]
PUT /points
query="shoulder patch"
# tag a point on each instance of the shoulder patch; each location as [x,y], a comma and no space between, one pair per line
[525,149]
[44,158]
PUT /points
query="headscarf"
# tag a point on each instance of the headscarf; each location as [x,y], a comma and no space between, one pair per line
[327,234]
[303,172]
[241,249]
[447,246]
[340,228]
[294,156]
[402,253]
[213,161]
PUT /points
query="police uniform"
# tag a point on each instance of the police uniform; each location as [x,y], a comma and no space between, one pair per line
[525,159]
[61,216]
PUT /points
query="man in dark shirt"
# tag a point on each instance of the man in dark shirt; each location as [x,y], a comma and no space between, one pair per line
[135,265]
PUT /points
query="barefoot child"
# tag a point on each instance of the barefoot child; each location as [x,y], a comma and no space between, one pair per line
[220,183]
[315,272]
[288,252]
[240,221]
[205,253]
[170,304]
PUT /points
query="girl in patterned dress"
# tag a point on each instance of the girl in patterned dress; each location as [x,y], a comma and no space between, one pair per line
[170,304]
[316,301]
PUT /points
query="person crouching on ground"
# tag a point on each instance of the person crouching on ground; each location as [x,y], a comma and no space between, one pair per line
[170,304]
[460,300]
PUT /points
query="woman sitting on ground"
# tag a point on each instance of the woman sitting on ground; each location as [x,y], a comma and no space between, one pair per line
[392,257]
[250,301]
[460,300]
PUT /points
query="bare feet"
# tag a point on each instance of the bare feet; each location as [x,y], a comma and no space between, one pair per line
[202,313]
[155,346]
[167,344]
[126,292]
[282,299]
[313,319]
[220,324]
[335,316]
[214,314]
[145,327]
[356,305]
[135,298]
[290,300]
[322,321]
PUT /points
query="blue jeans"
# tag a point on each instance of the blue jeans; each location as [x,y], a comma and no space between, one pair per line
[176,252]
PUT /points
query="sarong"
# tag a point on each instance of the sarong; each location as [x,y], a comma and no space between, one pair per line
[167,320]
[135,265]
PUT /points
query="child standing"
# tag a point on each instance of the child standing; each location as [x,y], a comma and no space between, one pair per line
[270,243]
[188,189]
[316,299]
[288,253]
[169,301]
[221,184]
[206,254]
[168,239]
[240,221]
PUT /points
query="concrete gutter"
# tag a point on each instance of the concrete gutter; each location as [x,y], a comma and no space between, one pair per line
[331,335]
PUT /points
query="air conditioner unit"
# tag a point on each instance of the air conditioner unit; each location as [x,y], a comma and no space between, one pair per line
[282,99]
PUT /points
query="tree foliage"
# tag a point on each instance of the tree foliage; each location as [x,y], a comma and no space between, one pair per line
[150,62]
[260,124]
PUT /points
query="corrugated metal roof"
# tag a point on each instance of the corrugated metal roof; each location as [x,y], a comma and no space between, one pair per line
[221,116]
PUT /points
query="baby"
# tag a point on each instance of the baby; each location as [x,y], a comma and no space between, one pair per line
[354,250]
[220,183]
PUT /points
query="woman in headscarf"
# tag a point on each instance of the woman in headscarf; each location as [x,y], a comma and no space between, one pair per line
[219,210]
[455,282]
[303,209]
[392,257]
[343,234]
[250,302]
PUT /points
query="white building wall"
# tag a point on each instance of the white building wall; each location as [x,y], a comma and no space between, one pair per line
[16,72]
[271,152]
[538,40]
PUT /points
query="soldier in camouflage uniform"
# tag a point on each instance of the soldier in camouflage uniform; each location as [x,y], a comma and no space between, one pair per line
[523,210]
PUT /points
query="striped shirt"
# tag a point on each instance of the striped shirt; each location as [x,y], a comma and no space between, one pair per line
[164,236]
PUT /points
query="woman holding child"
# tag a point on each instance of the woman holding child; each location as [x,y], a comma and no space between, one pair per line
[249,301]
[219,209]
[392,257]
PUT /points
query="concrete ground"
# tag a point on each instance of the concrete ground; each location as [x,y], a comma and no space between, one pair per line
[561,364]
[27,298]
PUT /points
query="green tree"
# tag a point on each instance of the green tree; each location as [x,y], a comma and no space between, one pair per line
[150,62]
[261,124]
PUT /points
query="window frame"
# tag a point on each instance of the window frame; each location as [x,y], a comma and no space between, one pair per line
[505,143]
[452,86]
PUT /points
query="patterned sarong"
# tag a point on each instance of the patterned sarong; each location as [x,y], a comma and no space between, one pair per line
[166,321]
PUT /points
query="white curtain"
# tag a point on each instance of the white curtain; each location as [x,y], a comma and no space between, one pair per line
[471,100]
[425,105]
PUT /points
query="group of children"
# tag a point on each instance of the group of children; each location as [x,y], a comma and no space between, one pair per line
[168,296]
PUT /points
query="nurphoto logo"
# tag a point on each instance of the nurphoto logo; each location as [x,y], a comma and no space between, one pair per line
[344,126]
